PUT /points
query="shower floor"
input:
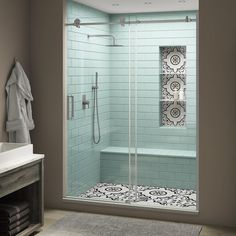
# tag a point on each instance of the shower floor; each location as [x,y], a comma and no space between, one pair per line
[147,195]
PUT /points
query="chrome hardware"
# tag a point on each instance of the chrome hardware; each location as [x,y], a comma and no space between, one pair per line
[85,102]
[70,107]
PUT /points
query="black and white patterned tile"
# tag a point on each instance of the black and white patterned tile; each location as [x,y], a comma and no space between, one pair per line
[147,195]
[173,80]
[173,59]
[172,83]
[173,113]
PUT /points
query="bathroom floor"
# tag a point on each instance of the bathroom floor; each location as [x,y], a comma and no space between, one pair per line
[53,215]
[147,195]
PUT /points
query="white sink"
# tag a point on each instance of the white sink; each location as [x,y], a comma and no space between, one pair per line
[14,153]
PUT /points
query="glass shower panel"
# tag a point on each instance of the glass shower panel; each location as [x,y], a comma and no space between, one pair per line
[166,112]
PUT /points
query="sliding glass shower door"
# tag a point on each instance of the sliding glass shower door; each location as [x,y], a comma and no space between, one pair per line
[101,105]
[164,110]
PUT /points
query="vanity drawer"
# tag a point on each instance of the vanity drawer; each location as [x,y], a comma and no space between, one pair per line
[19,178]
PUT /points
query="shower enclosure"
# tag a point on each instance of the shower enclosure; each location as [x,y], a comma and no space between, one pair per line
[131,108]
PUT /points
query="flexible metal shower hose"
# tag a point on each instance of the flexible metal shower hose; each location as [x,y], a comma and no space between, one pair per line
[95,110]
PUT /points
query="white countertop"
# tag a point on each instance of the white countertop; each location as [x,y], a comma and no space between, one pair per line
[21,161]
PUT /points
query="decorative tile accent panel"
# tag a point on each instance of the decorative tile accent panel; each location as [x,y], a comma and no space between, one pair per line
[173,113]
[173,59]
[171,83]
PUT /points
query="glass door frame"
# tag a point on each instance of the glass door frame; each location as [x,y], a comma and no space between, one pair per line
[67,199]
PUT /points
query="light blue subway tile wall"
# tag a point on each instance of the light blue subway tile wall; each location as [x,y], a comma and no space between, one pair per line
[159,170]
[85,57]
[145,40]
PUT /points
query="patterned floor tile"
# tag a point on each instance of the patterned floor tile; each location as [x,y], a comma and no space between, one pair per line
[147,195]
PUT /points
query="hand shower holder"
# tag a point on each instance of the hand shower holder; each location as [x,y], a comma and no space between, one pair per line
[94,87]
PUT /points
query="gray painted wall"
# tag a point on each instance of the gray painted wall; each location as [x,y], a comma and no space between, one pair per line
[47,87]
[14,42]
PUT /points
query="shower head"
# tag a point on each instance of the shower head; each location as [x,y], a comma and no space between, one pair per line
[107,35]
[115,45]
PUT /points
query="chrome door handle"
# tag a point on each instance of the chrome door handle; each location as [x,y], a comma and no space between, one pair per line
[70,107]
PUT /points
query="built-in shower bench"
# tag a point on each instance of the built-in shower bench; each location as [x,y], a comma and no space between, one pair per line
[163,167]
[151,152]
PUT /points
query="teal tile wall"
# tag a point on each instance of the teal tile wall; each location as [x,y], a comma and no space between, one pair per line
[146,40]
[160,171]
[84,58]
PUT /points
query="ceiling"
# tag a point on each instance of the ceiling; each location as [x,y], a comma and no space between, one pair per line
[135,6]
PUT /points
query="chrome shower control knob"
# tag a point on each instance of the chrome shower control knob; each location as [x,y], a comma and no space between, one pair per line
[85,102]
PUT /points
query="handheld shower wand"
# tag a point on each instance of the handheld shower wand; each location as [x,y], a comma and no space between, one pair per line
[95,110]
[96,81]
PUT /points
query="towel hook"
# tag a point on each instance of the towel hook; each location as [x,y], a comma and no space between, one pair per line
[16,60]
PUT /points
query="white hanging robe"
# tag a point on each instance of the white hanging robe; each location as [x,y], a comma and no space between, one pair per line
[19,111]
